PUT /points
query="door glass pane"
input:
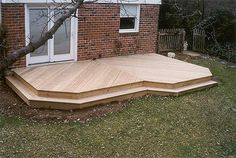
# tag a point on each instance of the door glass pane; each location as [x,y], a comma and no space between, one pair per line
[38,19]
[62,36]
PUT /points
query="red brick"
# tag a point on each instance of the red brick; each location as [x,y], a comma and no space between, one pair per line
[13,20]
[98,31]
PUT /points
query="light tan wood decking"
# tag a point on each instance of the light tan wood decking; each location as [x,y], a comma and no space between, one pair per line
[87,83]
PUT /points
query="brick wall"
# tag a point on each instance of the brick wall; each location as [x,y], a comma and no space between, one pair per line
[14,22]
[98,32]
[146,40]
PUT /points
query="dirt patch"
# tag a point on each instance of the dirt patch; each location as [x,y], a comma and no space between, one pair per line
[12,105]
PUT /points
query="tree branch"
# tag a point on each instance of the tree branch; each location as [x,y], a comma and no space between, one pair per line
[32,46]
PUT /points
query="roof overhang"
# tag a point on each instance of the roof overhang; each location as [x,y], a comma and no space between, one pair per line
[98,1]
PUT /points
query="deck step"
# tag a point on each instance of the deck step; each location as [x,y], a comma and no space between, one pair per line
[36,101]
[185,89]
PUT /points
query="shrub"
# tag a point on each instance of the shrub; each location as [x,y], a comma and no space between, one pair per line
[225,51]
[221,34]
[225,26]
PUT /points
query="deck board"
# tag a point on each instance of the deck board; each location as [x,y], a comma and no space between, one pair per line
[91,75]
[157,68]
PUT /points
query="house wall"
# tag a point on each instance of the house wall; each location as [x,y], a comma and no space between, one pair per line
[98,32]
[13,19]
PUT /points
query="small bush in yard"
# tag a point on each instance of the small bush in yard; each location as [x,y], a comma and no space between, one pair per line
[225,51]
[221,35]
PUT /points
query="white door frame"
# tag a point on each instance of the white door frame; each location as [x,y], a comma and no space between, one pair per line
[51,58]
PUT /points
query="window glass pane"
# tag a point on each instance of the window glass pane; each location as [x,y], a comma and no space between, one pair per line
[127,23]
[128,10]
[62,36]
[38,25]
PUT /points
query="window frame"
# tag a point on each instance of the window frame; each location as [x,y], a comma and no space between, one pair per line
[137,20]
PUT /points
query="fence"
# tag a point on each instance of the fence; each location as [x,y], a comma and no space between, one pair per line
[171,40]
[199,37]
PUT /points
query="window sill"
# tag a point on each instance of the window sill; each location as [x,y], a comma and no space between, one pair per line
[128,31]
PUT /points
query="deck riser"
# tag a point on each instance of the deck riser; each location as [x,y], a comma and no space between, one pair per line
[29,86]
[197,89]
[119,88]
[71,106]
[18,92]
[177,85]
[89,93]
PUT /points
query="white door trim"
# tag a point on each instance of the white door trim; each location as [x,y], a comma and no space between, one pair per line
[51,57]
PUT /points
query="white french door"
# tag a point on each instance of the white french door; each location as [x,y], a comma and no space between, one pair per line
[62,47]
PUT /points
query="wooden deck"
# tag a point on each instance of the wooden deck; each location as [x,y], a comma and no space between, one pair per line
[87,83]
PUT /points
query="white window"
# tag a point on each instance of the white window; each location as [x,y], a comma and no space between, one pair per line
[129,18]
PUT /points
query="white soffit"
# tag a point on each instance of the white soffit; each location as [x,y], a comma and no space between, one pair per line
[98,1]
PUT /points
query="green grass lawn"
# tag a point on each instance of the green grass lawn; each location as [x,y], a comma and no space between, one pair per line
[200,124]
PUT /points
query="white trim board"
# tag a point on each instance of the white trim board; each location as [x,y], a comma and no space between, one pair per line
[99,1]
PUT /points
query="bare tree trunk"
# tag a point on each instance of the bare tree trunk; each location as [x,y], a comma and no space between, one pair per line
[32,46]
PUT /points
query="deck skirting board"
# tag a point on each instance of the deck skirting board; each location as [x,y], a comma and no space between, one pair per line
[69,104]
